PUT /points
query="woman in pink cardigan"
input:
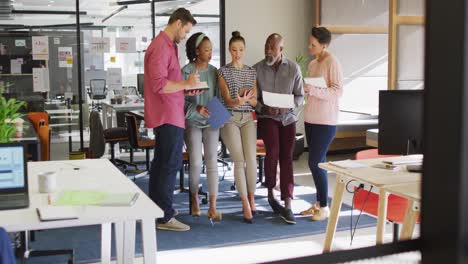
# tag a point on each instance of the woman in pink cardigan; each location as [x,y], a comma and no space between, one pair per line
[321,114]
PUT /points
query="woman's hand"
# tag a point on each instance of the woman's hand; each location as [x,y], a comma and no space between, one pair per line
[203,111]
[246,97]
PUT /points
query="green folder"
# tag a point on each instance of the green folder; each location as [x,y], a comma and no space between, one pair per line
[76,197]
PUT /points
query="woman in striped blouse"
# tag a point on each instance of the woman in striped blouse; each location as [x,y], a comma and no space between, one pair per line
[237,83]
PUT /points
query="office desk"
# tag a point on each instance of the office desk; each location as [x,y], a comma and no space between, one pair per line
[412,192]
[31,141]
[96,174]
[108,110]
[376,177]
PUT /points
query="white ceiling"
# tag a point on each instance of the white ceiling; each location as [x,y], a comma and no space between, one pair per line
[136,15]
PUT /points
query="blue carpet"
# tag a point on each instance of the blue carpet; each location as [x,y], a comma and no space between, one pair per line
[230,231]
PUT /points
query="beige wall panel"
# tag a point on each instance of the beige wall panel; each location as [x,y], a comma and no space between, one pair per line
[410,57]
[373,13]
[411,7]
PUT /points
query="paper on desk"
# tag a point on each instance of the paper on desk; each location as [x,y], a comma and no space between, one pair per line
[75,197]
[317,82]
[278,100]
[55,213]
[347,164]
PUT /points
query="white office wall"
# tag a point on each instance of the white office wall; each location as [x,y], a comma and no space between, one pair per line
[257,19]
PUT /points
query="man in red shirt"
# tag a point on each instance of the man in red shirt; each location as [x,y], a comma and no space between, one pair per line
[164,112]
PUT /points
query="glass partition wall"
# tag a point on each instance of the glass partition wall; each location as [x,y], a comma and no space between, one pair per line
[39,61]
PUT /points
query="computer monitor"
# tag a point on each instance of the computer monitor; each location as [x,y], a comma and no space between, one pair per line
[13,172]
[141,84]
[400,122]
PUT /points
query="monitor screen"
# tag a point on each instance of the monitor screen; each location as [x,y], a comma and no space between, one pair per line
[401,122]
[141,84]
[12,167]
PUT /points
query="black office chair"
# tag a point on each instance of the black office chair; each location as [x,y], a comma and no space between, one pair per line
[98,138]
[138,142]
[98,92]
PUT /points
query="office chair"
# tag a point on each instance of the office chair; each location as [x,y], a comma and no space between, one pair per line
[98,137]
[97,91]
[132,90]
[138,142]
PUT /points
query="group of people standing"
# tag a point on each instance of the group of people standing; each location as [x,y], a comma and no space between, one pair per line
[177,115]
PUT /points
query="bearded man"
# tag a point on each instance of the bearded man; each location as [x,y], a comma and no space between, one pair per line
[277,74]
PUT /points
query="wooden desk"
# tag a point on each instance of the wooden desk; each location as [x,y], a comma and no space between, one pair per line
[371,176]
[412,192]
[96,174]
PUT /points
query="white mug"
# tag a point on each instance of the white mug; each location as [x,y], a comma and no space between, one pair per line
[47,181]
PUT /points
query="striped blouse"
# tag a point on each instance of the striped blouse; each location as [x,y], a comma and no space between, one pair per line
[236,79]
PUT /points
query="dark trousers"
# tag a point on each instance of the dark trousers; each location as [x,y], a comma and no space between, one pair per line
[6,250]
[319,138]
[279,145]
[166,163]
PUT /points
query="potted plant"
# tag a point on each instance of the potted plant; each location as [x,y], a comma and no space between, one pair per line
[9,112]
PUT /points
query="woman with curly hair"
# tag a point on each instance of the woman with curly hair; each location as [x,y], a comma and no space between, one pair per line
[198,131]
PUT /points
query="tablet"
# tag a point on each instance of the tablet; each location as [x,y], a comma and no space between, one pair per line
[200,86]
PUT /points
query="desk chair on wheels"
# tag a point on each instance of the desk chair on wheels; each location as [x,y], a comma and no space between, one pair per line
[98,92]
[98,138]
[138,141]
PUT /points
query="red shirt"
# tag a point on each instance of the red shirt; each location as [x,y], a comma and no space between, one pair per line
[161,65]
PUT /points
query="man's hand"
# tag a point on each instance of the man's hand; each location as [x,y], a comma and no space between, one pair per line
[193,80]
[193,92]
[283,111]
[272,111]
[203,111]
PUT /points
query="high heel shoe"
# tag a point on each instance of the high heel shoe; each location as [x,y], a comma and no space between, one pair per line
[248,221]
[216,216]
[195,211]
[254,212]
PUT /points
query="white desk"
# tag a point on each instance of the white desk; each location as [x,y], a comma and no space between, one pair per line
[96,174]
[108,117]
[380,178]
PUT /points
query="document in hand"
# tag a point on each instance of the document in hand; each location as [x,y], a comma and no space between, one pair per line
[76,197]
[317,82]
[56,213]
[278,100]
[218,113]
[200,86]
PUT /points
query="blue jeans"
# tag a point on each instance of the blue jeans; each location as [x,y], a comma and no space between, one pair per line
[6,251]
[166,163]
[319,138]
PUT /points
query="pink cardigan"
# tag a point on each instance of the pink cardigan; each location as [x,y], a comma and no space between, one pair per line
[322,103]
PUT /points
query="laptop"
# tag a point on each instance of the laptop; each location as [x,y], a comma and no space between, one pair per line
[13,176]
